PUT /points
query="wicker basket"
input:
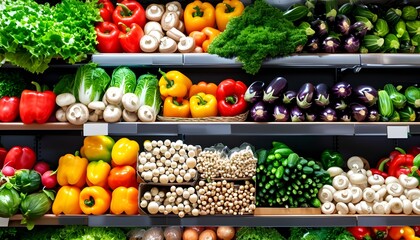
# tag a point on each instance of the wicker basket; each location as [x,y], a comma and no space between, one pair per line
[238,118]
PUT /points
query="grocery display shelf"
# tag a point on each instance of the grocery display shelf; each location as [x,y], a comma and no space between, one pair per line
[50,219]
[389,60]
[53,126]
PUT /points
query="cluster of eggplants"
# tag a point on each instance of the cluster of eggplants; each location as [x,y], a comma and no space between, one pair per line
[340,102]
[335,35]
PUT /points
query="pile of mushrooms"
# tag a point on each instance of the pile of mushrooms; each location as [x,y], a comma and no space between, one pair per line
[176,200]
[70,111]
[217,162]
[164,31]
[168,162]
[358,191]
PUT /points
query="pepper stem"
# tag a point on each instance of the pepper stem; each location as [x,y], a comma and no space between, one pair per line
[400,150]
[38,87]
[229,8]
[169,82]
[89,202]
[126,12]
[176,102]
[382,165]
[231,99]
[77,153]
[126,29]
[201,100]
[198,12]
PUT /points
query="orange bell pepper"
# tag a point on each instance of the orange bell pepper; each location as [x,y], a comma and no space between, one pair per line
[226,10]
[199,37]
[94,200]
[207,88]
[97,173]
[198,15]
[125,152]
[125,200]
[67,201]
[211,34]
[203,105]
[72,170]
[176,107]
[122,176]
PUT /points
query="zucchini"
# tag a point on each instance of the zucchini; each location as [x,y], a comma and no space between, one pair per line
[413,27]
[381,28]
[412,94]
[392,16]
[398,99]
[415,40]
[373,43]
[307,28]
[409,13]
[392,43]
[406,47]
[395,117]
[385,106]
[400,29]
[363,11]
[292,160]
[407,114]
[346,9]
[331,8]
[296,13]
[366,21]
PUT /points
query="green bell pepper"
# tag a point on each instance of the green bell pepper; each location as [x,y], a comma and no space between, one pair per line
[97,148]
[330,158]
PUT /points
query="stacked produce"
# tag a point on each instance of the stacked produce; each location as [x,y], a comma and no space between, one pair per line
[286,179]
[99,181]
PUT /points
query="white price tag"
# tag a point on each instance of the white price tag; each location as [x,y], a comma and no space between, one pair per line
[399,132]
[95,129]
[4,222]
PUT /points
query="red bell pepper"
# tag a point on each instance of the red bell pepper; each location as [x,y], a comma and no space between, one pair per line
[9,109]
[360,233]
[3,153]
[122,176]
[130,37]
[230,97]
[107,9]
[36,106]
[129,12]
[107,35]
[380,232]
[20,158]
[380,170]
[401,164]
[414,150]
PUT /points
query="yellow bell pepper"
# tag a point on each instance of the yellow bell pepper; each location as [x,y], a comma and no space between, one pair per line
[174,84]
[203,105]
[97,148]
[97,173]
[198,15]
[72,170]
[176,107]
[67,201]
[227,10]
[94,200]
[211,34]
[125,200]
[125,152]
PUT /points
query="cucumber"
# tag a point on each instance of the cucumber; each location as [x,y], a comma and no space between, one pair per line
[363,11]
[296,13]
[407,114]
[385,106]
[392,16]
[398,99]
[409,13]
[412,94]
[292,160]
[373,43]
[346,9]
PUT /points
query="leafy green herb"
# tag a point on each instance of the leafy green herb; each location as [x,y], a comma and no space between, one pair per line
[258,233]
[11,83]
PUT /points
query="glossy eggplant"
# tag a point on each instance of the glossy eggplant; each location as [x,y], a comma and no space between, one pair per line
[344,115]
[359,112]
[331,44]
[320,27]
[328,114]
[289,97]
[322,95]
[373,115]
[311,115]
[274,89]
[313,45]
[296,114]
[261,112]
[341,90]
[304,96]
[342,24]
[358,29]
[280,113]
[255,92]
[366,94]
[351,44]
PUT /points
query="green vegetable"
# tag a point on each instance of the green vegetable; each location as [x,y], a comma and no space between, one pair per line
[292,160]
[147,89]
[400,29]
[398,99]
[392,43]
[9,201]
[65,84]
[407,114]
[327,233]
[366,21]
[26,181]
[296,13]
[331,8]
[346,8]
[373,43]
[35,205]
[381,28]
[90,83]
[123,78]
[260,32]
[307,27]
[413,27]
[392,16]
[409,13]
[363,11]
[33,34]
[331,158]
[412,94]
[88,233]
[385,106]
[395,117]
[258,233]
[11,83]
[415,40]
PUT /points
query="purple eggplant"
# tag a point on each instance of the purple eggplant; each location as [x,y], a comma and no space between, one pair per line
[342,24]
[351,44]
[322,96]
[339,105]
[344,115]
[373,115]
[261,112]
[289,97]
[341,90]
[274,89]
[280,113]
[313,45]
[328,115]
[311,115]
[320,27]
[331,44]
[255,92]
[296,114]
[358,29]
[359,112]
[366,94]
[305,95]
